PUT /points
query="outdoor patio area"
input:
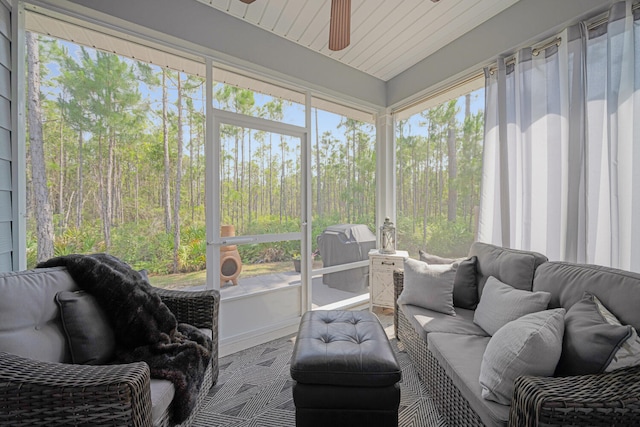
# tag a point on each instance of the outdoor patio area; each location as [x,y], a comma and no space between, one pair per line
[321,294]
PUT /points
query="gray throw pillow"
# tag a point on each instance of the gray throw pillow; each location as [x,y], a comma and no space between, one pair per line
[628,353]
[430,287]
[500,304]
[590,342]
[435,259]
[465,288]
[89,334]
[530,345]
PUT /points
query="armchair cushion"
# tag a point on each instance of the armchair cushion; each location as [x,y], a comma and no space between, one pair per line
[89,334]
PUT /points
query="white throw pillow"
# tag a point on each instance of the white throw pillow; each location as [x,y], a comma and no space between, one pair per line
[530,345]
[427,286]
[500,304]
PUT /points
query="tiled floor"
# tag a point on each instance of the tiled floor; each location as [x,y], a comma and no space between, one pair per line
[254,388]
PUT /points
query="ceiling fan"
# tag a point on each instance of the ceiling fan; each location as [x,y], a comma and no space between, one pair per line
[339,25]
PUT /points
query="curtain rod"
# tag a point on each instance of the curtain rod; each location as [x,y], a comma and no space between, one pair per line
[604,19]
[454,86]
[558,40]
[510,60]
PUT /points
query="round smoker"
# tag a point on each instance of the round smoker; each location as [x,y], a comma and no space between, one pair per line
[230,262]
[230,266]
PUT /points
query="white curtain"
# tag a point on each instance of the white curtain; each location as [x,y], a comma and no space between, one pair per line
[561,172]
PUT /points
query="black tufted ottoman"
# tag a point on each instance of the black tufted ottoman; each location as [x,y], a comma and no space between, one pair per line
[345,371]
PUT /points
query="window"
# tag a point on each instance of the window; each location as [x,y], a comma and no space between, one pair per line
[438,172]
[124,144]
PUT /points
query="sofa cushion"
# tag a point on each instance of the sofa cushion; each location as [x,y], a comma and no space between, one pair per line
[162,393]
[89,334]
[30,323]
[465,288]
[501,303]
[618,290]
[208,332]
[530,345]
[510,266]
[425,321]
[461,357]
[428,286]
[590,342]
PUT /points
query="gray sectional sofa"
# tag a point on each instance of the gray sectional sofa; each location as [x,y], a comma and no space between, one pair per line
[448,350]
[39,384]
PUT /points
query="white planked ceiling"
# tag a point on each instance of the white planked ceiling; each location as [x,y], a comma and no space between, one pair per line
[387,36]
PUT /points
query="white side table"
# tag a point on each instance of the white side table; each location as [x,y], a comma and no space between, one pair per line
[381,267]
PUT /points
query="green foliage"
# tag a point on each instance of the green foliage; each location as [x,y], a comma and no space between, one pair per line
[104,133]
[444,238]
[439,166]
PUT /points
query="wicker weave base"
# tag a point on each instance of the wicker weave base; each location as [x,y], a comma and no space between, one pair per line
[453,407]
[608,399]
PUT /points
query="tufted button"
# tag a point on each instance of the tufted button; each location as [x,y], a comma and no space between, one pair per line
[325,339]
[37,327]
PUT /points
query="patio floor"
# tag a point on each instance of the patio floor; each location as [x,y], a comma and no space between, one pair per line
[321,294]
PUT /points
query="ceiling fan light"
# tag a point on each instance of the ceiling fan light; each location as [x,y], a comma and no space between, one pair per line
[340,24]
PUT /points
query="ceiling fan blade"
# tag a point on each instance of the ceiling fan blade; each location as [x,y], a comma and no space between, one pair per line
[340,24]
[247,1]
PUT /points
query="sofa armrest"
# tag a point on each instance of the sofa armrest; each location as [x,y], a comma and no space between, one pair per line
[611,398]
[197,308]
[43,393]
[398,285]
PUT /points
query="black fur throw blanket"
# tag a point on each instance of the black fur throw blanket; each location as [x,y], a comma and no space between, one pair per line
[144,327]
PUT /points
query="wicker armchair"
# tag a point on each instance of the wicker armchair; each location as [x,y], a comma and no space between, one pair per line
[34,393]
[594,400]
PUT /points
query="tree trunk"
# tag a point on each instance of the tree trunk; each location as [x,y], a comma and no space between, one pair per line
[61,204]
[165,140]
[191,165]
[79,181]
[452,204]
[467,141]
[101,190]
[44,217]
[250,206]
[108,197]
[176,198]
